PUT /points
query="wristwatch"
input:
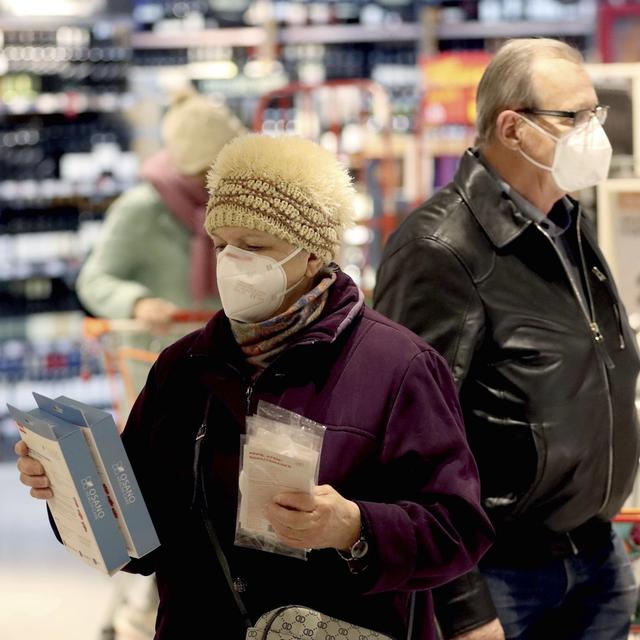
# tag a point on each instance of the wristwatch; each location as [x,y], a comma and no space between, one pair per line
[356,556]
[359,548]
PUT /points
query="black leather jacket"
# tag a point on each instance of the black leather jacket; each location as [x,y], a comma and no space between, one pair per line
[547,384]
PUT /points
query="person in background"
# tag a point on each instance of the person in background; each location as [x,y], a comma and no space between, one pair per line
[500,271]
[397,507]
[153,255]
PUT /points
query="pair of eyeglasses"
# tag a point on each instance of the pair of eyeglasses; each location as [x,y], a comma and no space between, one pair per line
[581,117]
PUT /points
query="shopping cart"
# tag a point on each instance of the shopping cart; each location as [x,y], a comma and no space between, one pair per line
[128,349]
[351,118]
[627,525]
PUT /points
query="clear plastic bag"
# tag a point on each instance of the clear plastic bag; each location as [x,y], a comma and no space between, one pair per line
[280,452]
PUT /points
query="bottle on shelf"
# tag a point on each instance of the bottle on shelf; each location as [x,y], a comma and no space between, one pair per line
[64,156]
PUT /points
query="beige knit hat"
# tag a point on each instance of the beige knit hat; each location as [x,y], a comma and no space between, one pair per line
[194,130]
[287,186]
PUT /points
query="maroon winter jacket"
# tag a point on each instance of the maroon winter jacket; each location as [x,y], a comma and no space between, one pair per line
[394,443]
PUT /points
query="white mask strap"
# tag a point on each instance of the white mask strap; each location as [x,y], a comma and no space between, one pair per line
[535,162]
[546,133]
[293,254]
[293,286]
[539,128]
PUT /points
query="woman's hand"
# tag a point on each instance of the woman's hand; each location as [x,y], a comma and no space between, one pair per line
[154,312]
[32,473]
[318,520]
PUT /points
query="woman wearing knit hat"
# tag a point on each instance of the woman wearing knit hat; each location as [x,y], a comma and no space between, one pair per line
[397,507]
[153,255]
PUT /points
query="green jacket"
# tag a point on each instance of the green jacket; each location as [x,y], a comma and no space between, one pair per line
[143,252]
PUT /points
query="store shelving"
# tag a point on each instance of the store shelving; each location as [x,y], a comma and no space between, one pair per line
[49,79]
[63,158]
[224,37]
[256,36]
[477,30]
[70,104]
[350,33]
[357,33]
[317,52]
[48,22]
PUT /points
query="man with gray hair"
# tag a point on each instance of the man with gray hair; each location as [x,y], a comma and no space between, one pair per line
[501,272]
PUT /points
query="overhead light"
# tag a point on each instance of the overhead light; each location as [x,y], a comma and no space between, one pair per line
[262,68]
[213,70]
[358,235]
[31,8]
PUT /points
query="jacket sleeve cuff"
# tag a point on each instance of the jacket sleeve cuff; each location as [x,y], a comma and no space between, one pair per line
[389,523]
[127,298]
[115,299]
[463,604]
[54,527]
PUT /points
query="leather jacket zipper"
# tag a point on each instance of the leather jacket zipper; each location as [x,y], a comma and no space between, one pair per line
[587,312]
[616,309]
[605,358]
[605,373]
[592,308]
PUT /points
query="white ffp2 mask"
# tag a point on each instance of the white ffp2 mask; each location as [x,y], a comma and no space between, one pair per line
[582,156]
[251,286]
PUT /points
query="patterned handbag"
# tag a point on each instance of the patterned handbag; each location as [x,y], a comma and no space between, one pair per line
[296,622]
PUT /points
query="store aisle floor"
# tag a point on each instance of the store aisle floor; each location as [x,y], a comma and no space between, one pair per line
[45,593]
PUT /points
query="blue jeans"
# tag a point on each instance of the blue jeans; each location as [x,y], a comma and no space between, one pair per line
[577,598]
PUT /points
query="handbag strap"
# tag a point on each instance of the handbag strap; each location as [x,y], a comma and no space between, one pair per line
[200,499]
[412,615]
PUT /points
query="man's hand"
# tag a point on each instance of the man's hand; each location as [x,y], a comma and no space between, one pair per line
[318,520]
[491,631]
[32,473]
[154,312]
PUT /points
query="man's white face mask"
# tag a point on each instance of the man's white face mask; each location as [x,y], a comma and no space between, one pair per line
[582,156]
[251,286]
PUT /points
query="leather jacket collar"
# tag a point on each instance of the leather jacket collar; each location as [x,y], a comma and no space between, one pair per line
[493,209]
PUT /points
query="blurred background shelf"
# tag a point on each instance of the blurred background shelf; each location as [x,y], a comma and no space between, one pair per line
[82,95]
[229,37]
[81,99]
[515,29]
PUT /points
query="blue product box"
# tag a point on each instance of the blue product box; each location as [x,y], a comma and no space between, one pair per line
[114,468]
[80,506]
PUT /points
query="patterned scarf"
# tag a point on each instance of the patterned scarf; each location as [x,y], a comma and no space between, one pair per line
[261,342]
